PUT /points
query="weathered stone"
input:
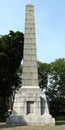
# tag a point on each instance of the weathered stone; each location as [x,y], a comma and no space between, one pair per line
[30,104]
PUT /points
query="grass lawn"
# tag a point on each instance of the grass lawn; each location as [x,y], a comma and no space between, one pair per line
[60,122]
[3,126]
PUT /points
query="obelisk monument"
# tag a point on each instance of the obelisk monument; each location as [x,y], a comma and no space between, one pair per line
[30,74]
[30,104]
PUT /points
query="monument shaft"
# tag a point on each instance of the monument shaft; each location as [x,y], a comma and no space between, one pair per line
[30,74]
[30,104]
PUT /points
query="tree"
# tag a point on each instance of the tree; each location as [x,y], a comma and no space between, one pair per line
[52,77]
[56,89]
[43,71]
[11,54]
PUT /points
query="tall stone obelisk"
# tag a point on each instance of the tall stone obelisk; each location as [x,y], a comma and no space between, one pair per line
[30,74]
[30,104]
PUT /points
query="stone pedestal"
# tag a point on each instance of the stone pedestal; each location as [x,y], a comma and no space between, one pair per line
[30,104]
[30,108]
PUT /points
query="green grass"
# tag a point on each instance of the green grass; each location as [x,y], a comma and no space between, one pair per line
[60,122]
[3,126]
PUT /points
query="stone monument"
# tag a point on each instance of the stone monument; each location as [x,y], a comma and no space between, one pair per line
[30,104]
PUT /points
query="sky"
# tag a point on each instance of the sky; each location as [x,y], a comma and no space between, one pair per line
[49,25]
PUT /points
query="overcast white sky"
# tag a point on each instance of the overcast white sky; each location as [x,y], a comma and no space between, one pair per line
[49,21]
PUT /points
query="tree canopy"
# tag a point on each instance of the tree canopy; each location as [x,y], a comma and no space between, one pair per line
[56,89]
[11,54]
[52,77]
[43,71]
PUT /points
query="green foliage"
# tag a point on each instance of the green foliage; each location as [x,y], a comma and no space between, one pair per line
[57,78]
[11,54]
[52,77]
[19,70]
[43,71]
[56,89]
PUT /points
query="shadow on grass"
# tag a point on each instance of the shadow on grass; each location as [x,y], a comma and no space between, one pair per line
[60,122]
[5,125]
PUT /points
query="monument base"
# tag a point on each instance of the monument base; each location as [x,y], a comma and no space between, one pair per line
[30,108]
